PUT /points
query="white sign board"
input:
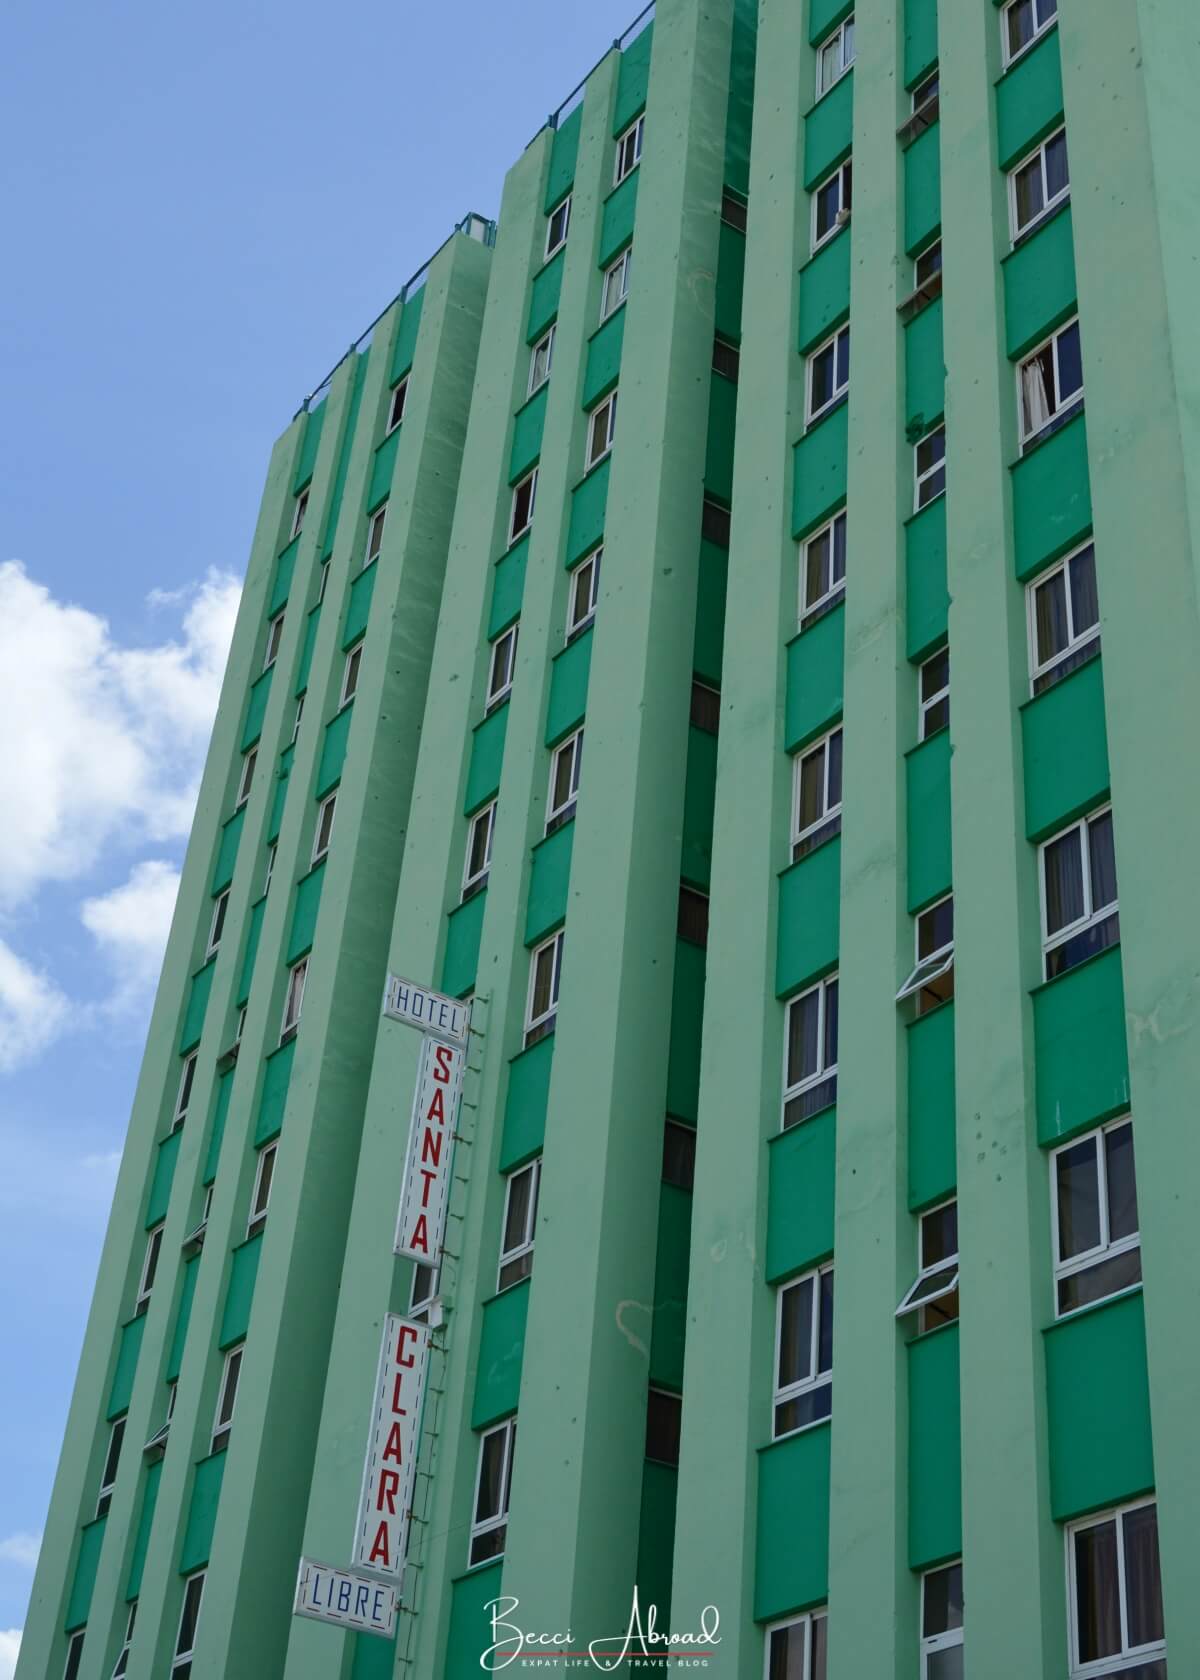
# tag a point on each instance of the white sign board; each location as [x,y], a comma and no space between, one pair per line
[425,1193]
[433,1012]
[388,1476]
[334,1595]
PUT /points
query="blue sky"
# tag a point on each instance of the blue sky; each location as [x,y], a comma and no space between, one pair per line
[204,206]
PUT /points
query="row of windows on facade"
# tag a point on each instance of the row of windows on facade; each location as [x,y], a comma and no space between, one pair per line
[185,1637]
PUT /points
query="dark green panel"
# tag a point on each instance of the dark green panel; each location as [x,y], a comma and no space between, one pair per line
[603,361]
[383,465]
[928,775]
[800,1195]
[142,1538]
[633,78]
[927,605]
[925,369]
[463,930]
[91,1540]
[304,915]
[815,669]
[656,1540]
[374,1658]
[809,896]
[1098,1404]
[1079,1035]
[333,751]
[202,1513]
[671,1287]
[934,1450]
[310,443]
[543,297]
[220,1113]
[193,1020]
[164,1173]
[285,568]
[125,1369]
[700,791]
[487,755]
[501,1349]
[587,512]
[470,1623]
[183,1313]
[339,478]
[922,190]
[920,39]
[564,149]
[1065,753]
[231,833]
[710,612]
[1052,499]
[239,1296]
[687,1015]
[1029,100]
[260,693]
[568,688]
[273,1097]
[1039,284]
[527,435]
[731,267]
[739,112]
[792,1553]
[819,482]
[358,607]
[525,1104]
[249,956]
[617,219]
[828,130]
[404,346]
[932,1146]
[718,453]
[508,587]
[825,292]
[824,16]
[549,880]
[311,625]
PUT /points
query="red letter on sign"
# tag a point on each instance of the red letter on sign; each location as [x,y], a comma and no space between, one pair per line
[436,1110]
[380,1548]
[394,1443]
[389,1487]
[407,1333]
[441,1056]
[431,1146]
[420,1236]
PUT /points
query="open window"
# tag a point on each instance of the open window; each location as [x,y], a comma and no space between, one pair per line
[493,1487]
[932,980]
[934,1295]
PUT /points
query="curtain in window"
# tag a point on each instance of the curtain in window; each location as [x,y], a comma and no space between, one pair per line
[1103,861]
[1143,1589]
[1053,631]
[1064,882]
[1097,1603]
[1037,390]
[802,1038]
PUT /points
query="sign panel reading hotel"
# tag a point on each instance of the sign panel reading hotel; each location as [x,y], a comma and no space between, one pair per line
[425,1194]
[391,1467]
[433,1012]
[333,1595]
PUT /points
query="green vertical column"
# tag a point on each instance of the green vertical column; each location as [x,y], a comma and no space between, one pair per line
[730,1318]
[1129,83]
[873,1231]
[1012,1552]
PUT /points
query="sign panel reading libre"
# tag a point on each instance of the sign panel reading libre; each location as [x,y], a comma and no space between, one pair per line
[433,1012]
[425,1193]
[391,1467]
[334,1595]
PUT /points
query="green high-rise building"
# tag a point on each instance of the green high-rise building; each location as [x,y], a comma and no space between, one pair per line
[860,945]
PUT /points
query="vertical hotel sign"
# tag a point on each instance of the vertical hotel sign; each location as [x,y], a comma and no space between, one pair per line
[425,1190]
[390,1470]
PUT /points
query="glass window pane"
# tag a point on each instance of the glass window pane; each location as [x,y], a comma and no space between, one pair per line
[1078,1200]
[935,928]
[843,358]
[946,1664]
[943,1601]
[817,1667]
[1143,1588]
[939,1235]
[1085,603]
[1050,613]
[825,1328]
[1063,870]
[802,1038]
[1031,199]
[795,1334]
[848,41]
[935,674]
[491,1468]
[1097,1610]
[816,573]
[1100,1280]
[1056,165]
[1020,26]
[831,1024]
[829,202]
[542,975]
[822,378]
[1122,1188]
[1103,861]
[787,1653]
[812,788]
[834,777]
[839,545]
[517,1219]
[1070,363]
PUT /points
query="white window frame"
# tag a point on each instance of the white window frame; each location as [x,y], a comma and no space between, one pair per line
[837,588]
[824,1070]
[473,883]
[323,827]
[1074,641]
[556,815]
[418,1305]
[1091,916]
[524,1245]
[836,38]
[829,812]
[920,478]
[817,1379]
[300,699]
[616,274]
[121,1666]
[506,638]
[563,207]
[1131,1653]
[272,852]
[609,406]
[574,580]
[921,256]
[944,1273]
[227,1392]
[293,1003]
[216,926]
[274,637]
[920,94]
[1016,229]
[246,779]
[932,1643]
[932,966]
[264,1183]
[150,1259]
[841,216]
[187,1081]
[1039,30]
[532,1021]
[399,395]
[926,702]
[542,351]
[810,367]
[323,581]
[629,150]
[350,674]
[1106,1249]
[375,527]
[74,1653]
[183,1658]
[488,1525]
[807,1622]
[1074,401]
[516,531]
[111,1464]
[299,509]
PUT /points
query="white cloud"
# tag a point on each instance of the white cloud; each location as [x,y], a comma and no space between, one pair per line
[10,1650]
[131,923]
[21,1548]
[111,738]
[32,1010]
